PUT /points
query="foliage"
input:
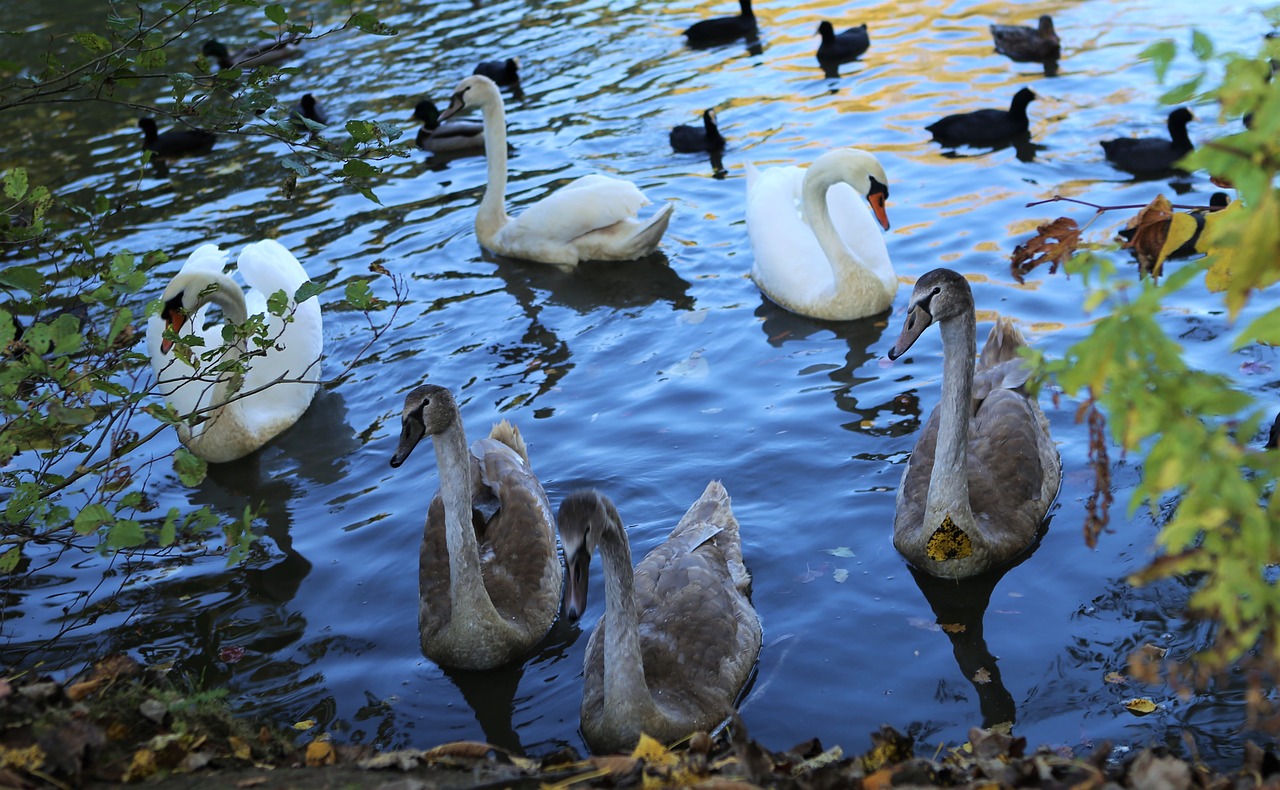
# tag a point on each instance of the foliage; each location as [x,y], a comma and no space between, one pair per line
[77,398]
[1193,428]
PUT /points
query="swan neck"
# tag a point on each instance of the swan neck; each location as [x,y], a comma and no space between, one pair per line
[949,484]
[493,214]
[466,586]
[845,263]
[230,298]
[626,695]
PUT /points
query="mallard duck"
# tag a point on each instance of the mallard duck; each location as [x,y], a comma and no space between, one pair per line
[679,637]
[985,127]
[440,138]
[985,470]
[1152,156]
[175,142]
[1030,44]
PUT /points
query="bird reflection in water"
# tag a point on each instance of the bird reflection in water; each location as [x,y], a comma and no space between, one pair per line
[960,606]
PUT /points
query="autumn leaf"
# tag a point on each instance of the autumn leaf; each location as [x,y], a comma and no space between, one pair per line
[1215,240]
[981,676]
[1139,706]
[472,750]
[320,753]
[1157,233]
[653,753]
[1053,243]
[953,628]
[1114,678]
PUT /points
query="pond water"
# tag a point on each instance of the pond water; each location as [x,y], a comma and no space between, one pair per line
[648,379]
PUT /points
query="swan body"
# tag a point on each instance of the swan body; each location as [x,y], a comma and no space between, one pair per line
[444,137]
[1023,44]
[231,430]
[985,127]
[489,574]
[690,139]
[844,46]
[985,470]
[591,218]
[266,53]
[722,30]
[1152,156]
[818,250]
[679,637]
[175,142]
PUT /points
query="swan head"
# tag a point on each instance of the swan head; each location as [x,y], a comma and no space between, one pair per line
[184,295]
[939,295]
[429,409]
[861,170]
[584,516]
[474,91]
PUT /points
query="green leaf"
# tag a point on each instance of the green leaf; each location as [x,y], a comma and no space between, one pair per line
[1201,45]
[359,295]
[190,467]
[361,131]
[1180,94]
[125,534]
[1161,54]
[28,278]
[122,319]
[276,13]
[168,530]
[278,303]
[93,42]
[307,290]
[9,560]
[15,183]
[370,24]
[92,517]
[67,415]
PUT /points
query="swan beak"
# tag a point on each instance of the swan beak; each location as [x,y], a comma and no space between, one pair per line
[173,319]
[575,586]
[410,434]
[876,199]
[918,320]
[456,105]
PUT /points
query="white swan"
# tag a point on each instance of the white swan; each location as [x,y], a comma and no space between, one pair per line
[679,638]
[591,218]
[818,250]
[489,573]
[985,470]
[230,430]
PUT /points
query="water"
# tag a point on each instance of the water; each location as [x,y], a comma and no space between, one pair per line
[648,379]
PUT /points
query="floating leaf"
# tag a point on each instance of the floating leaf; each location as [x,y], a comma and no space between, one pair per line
[840,575]
[1140,706]
[840,551]
[1114,678]
[1053,243]
[321,753]
[305,724]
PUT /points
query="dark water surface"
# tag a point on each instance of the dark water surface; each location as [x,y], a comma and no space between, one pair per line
[648,379]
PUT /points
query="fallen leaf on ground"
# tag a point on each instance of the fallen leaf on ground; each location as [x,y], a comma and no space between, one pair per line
[1053,243]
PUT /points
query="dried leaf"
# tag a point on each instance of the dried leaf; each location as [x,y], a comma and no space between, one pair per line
[471,750]
[948,542]
[953,628]
[305,724]
[1114,678]
[1149,230]
[653,753]
[981,676]
[239,748]
[321,753]
[1140,706]
[141,765]
[1053,243]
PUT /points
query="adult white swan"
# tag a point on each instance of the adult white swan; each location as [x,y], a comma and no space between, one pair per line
[230,425]
[985,470]
[818,251]
[591,218]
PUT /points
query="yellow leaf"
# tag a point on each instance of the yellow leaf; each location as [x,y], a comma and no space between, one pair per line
[653,753]
[321,753]
[142,765]
[1139,706]
[239,748]
[948,542]
[1114,677]
[29,759]
[1215,239]
[305,724]
[1182,227]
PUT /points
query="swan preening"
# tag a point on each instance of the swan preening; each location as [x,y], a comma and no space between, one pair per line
[818,249]
[228,425]
[489,574]
[591,218]
[985,470]
[679,637]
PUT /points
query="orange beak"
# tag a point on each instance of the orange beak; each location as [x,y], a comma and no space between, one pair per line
[877,205]
[174,321]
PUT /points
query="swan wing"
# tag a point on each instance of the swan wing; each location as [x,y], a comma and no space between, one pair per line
[583,205]
[517,542]
[789,265]
[267,266]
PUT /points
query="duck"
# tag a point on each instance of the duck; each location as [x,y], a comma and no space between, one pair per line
[1023,44]
[1152,156]
[690,139]
[591,218]
[502,72]
[175,142]
[722,30]
[266,53]
[308,109]
[845,46]
[441,138]
[489,573]
[985,470]
[237,414]
[818,250]
[985,127]
[678,639]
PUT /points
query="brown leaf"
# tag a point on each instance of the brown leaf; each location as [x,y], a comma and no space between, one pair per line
[982,676]
[320,753]
[1053,243]
[953,628]
[471,750]
[1144,663]
[1150,228]
[1114,678]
